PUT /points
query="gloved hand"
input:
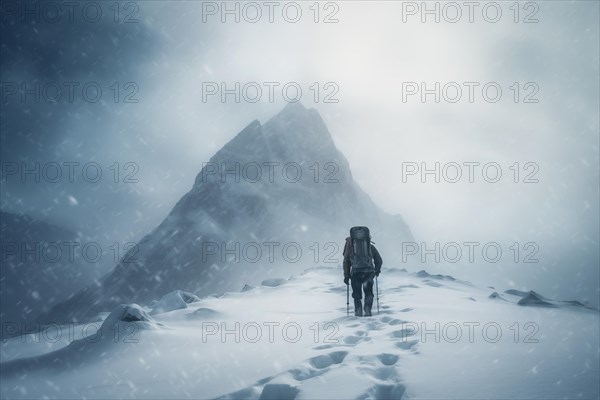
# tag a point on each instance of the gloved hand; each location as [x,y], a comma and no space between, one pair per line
[347,280]
[377,273]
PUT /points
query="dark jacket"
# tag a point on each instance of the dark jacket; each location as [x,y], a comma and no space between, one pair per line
[347,264]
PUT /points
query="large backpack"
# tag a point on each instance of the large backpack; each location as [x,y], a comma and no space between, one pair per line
[361,257]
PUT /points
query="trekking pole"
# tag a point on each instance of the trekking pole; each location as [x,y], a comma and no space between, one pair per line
[377,289]
[347,300]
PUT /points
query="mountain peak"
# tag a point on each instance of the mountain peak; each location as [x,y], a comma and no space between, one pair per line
[300,129]
[296,113]
[294,134]
[296,106]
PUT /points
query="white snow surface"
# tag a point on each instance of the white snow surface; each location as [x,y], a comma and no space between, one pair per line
[294,340]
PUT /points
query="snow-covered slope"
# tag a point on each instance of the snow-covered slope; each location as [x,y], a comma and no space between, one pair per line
[292,339]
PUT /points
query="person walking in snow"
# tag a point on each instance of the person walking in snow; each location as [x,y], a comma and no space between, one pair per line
[362,263]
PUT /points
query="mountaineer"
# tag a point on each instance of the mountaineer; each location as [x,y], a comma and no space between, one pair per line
[362,263]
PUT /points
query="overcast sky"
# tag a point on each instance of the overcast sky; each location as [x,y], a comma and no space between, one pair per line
[367,55]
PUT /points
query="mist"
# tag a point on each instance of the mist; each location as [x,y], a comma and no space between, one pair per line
[366,57]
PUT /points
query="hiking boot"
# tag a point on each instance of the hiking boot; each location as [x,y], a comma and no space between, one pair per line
[368,306]
[358,308]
